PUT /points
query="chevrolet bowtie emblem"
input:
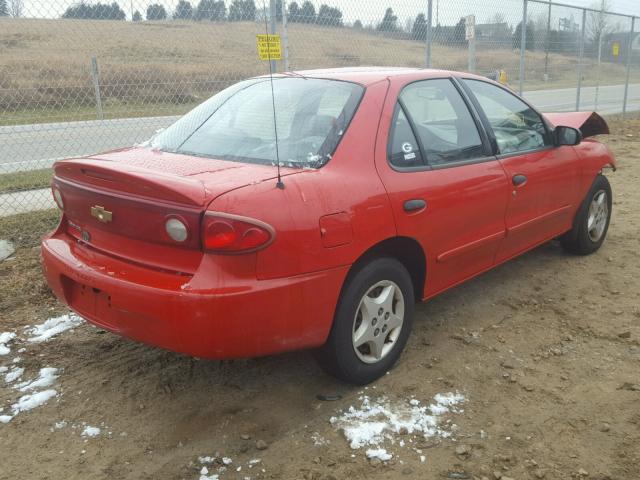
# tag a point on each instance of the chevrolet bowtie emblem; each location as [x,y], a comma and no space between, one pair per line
[101,214]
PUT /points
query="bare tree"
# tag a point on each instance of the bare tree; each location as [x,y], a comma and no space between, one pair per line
[16,8]
[598,24]
[496,18]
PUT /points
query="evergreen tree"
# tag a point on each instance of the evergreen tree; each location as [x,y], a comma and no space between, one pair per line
[4,11]
[329,16]
[459,32]
[419,29]
[155,11]
[389,21]
[307,13]
[211,10]
[240,10]
[293,12]
[98,11]
[357,25]
[137,17]
[184,11]
[529,38]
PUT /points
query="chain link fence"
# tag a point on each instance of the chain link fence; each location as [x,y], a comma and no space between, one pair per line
[82,77]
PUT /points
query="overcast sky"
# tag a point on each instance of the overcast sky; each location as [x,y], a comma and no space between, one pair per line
[371,11]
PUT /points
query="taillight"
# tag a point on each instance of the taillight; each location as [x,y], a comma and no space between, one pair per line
[226,233]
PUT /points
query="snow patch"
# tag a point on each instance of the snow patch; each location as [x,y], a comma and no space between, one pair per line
[14,374]
[6,337]
[29,402]
[53,327]
[6,249]
[319,440]
[377,421]
[204,474]
[379,453]
[46,378]
[90,431]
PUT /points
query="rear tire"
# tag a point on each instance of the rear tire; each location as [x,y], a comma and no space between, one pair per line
[592,220]
[372,322]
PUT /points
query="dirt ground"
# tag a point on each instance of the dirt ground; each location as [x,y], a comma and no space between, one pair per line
[545,349]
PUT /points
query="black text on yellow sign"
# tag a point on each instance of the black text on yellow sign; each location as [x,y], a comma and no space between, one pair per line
[269,47]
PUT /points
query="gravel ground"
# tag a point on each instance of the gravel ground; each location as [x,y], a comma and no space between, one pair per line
[543,353]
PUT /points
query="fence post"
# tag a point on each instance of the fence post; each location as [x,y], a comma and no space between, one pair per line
[272,19]
[523,44]
[547,45]
[599,69]
[429,37]
[95,75]
[472,48]
[629,57]
[285,36]
[581,58]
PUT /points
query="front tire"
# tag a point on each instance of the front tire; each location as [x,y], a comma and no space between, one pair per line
[592,220]
[372,322]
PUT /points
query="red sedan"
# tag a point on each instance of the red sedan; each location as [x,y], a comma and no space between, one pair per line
[396,184]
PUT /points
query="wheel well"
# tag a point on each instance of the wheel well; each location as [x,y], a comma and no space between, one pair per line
[408,252]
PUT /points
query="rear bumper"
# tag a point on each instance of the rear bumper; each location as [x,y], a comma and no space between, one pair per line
[233,317]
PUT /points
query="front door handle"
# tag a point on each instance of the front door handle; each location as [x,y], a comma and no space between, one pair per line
[414,205]
[519,179]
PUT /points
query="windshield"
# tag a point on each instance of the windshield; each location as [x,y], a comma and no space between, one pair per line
[238,123]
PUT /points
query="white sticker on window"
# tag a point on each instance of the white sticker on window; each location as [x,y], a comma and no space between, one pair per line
[409,156]
[407,147]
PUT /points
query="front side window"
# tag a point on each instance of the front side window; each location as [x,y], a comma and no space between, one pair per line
[515,125]
[237,124]
[442,121]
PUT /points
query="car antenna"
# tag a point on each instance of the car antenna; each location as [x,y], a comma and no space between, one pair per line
[279,183]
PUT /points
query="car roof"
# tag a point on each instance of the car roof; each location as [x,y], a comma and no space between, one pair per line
[369,75]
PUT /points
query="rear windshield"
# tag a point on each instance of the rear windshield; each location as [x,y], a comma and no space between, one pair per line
[237,124]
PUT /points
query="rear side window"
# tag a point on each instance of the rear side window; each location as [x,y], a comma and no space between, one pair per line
[516,126]
[403,147]
[442,121]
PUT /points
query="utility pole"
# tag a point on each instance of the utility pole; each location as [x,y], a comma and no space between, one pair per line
[601,25]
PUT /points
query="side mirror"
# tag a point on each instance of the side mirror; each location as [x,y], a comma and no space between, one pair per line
[566,136]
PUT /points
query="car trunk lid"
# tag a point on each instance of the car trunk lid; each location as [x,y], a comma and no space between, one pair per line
[119,202]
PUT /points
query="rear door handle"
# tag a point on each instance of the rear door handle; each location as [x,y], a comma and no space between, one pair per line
[414,205]
[519,179]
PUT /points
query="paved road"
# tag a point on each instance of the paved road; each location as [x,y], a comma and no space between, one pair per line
[28,201]
[27,147]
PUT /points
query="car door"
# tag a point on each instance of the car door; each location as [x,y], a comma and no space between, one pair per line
[544,179]
[446,188]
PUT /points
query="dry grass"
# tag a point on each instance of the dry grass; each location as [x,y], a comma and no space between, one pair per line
[23,289]
[161,68]
[18,181]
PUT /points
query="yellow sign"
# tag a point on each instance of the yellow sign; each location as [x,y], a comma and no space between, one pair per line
[502,77]
[269,47]
[615,49]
